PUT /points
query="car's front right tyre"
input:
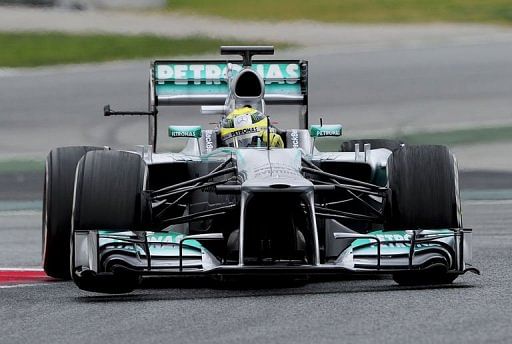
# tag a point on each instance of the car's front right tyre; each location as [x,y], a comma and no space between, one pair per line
[57,207]
[107,196]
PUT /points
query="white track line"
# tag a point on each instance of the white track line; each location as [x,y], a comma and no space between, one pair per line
[11,213]
[35,269]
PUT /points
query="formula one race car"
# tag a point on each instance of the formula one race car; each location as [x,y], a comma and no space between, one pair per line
[249,199]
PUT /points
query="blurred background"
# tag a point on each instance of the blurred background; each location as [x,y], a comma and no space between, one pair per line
[436,71]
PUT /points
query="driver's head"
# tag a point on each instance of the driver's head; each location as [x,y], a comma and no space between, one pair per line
[243,127]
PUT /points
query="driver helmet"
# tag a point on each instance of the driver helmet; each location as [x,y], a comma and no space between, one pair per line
[243,127]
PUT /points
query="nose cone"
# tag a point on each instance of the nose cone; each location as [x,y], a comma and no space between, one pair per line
[272,170]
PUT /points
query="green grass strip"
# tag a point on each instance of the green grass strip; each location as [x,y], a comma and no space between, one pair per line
[368,11]
[30,49]
[461,136]
[19,165]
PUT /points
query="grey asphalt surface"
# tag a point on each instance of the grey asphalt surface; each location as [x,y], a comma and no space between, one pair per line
[475,309]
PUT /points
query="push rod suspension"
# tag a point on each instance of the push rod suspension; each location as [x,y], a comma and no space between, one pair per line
[348,215]
[200,215]
[189,189]
[185,194]
[343,179]
[350,189]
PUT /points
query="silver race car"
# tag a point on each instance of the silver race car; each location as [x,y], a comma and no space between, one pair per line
[247,198]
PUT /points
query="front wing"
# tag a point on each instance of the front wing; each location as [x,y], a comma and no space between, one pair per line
[171,253]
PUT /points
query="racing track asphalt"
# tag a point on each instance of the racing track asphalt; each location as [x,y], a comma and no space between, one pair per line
[476,309]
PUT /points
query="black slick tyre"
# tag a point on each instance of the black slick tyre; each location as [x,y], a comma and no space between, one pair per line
[57,208]
[108,191]
[424,195]
[108,197]
[425,188]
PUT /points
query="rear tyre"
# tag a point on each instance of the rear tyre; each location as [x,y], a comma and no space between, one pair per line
[350,146]
[57,207]
[108,196]
[424,195]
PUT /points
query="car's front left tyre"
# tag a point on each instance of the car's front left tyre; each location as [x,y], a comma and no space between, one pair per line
[425,195]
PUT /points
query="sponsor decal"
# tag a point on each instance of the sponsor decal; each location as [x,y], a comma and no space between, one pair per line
[182,74]
[329,133]
[164,243]
[276,170]
[193,131]
[208,140]
[240,132]
[389,239]
[182,134]
[325,130]
[294,138]
[174,238]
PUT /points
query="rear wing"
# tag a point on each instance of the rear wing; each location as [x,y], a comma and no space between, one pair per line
[206,82]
